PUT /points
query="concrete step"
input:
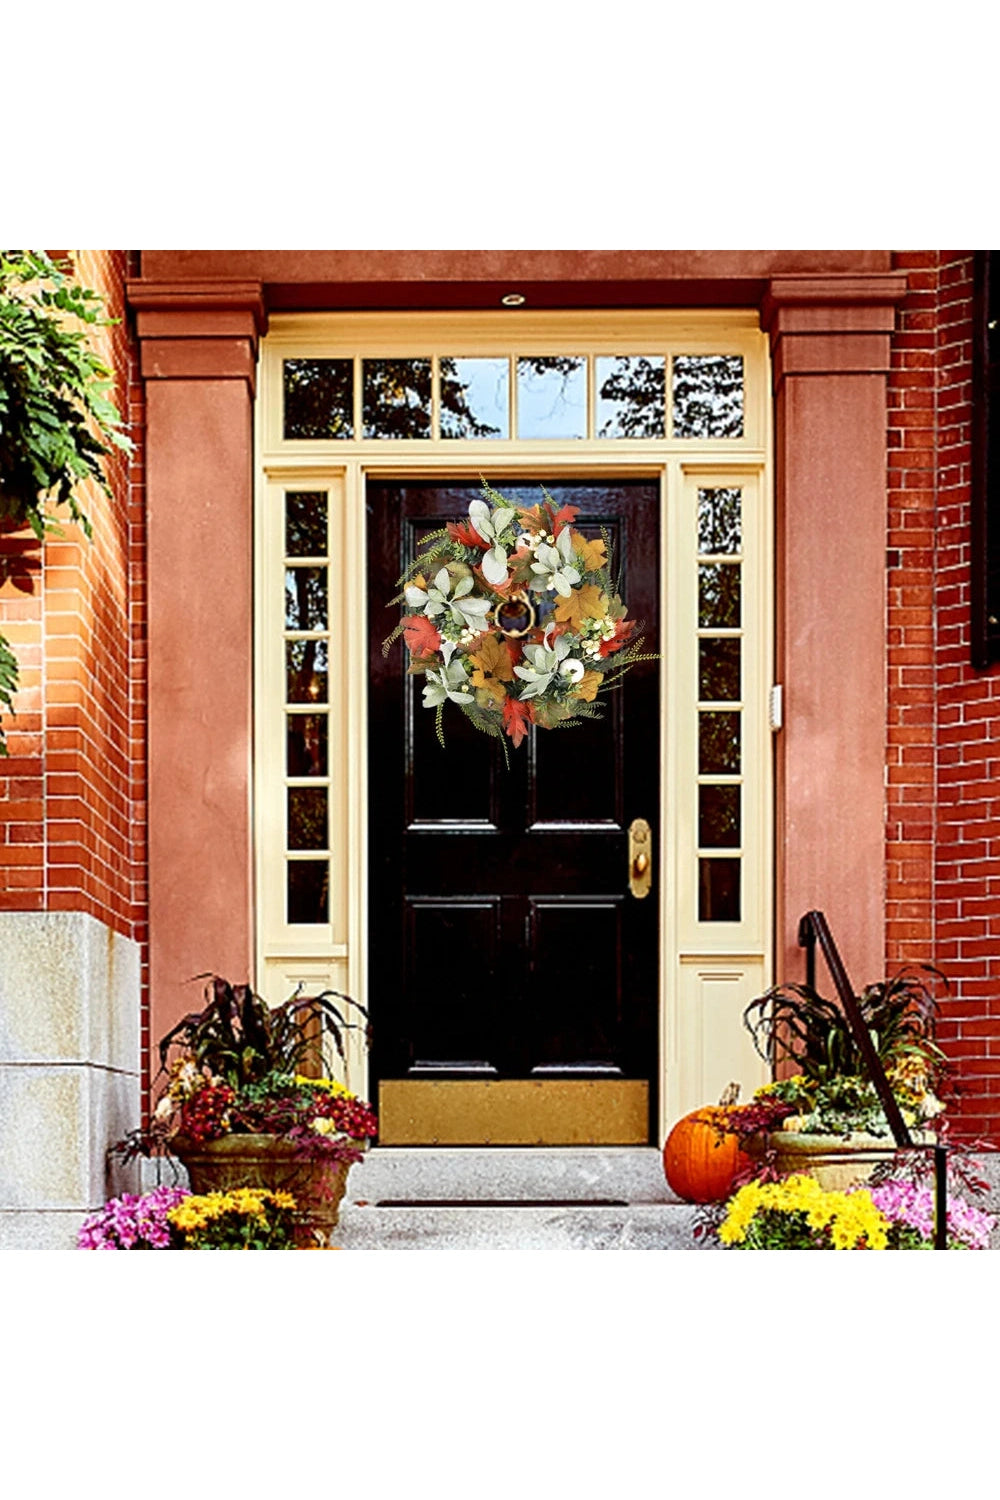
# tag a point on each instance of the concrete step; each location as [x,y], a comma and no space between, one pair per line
[512,1198]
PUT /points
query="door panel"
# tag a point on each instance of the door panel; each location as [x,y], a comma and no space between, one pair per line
[505,945]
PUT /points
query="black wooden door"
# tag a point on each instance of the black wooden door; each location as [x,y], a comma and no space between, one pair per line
[505,943]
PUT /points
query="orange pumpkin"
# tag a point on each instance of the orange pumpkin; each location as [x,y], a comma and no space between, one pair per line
[700,1160]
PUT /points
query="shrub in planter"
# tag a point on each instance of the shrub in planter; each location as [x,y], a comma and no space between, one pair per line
[239,1111]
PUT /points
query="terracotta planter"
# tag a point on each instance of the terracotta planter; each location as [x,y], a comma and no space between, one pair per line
[837,1162]
[268,1161]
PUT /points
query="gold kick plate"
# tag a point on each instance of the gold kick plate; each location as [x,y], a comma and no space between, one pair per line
[640,867]
[514,1112]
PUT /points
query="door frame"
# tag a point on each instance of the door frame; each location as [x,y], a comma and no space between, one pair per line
[732,963]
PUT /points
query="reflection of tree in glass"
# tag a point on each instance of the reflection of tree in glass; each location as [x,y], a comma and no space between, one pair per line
[306,749]
[397,398]
[719,669]
[719,817]
[638,387]
[307,822]
[457,417]
[306,671]
[319,398]
[305,524]
[719,529]
[565,365]
[708,395]
[305,598]
[540,367]
[719,744]
[719,594]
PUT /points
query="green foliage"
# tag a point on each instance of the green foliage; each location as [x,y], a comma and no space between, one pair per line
[56,418]
[794,1021]
[241,1039]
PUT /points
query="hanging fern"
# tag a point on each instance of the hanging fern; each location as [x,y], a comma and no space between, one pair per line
[57,422]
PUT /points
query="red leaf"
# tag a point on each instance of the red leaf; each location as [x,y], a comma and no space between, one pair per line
[466,533]
[564,517]
[421,635]
[623,629]
[516,718]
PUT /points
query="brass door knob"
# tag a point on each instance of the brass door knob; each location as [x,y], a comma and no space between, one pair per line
[640,874]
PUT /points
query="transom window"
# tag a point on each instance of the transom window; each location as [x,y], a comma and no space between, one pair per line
[520,396]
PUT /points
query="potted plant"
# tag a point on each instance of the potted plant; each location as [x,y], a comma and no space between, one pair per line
[827,1116]
[246,1103]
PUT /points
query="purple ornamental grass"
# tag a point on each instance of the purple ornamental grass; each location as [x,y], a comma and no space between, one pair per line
[912,1204]
[131,1222]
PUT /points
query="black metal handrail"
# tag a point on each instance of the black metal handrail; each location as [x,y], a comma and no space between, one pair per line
[813,929]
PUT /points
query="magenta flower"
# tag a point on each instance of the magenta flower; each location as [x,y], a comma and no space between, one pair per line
[911,1205]
[131,1222]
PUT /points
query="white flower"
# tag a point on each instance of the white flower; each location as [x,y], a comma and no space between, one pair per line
[451,682]
[458,605]
[553,566]
[542,664]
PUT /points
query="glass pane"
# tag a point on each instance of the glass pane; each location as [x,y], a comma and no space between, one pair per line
[305,524]
[474,398]
[719,521]
[397,398]
[307,821]
[719,890]
[719,817]
[306,679]
[719,744]
[708,395]
[718,670]
[307,744]
[552,397]
[719,594]
[308,890]
[319,398]
[631,396]
[305,598]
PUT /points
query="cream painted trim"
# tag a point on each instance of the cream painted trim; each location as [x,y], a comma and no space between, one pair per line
[742,951]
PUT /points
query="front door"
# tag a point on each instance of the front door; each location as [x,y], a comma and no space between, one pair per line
[513,974]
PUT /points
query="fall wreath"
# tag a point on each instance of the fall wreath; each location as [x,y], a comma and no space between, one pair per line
[514,616]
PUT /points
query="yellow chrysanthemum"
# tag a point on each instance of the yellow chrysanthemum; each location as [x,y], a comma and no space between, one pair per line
[199,1210]
[330,1085]
[850,1217]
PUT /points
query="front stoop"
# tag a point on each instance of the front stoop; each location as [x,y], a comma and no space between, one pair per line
[513,1198]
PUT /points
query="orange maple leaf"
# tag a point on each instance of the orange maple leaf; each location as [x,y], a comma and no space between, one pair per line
[466,533]
[563,517]
[516,718]
[594,553]
[421,635]
[583,603]
[587,687]
[493,657]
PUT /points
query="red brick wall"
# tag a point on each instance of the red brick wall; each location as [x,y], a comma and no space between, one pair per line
[943,829]
[72,793]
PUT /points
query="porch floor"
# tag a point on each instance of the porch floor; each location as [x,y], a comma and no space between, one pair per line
[512,1198]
